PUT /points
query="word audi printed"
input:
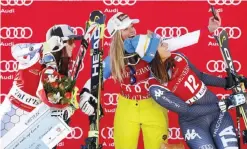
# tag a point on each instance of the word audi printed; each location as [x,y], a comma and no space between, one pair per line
[170,32]
[16,32]
[76,133]
[16,2]
[224,2]
[233,32]
[219,65]
[8,66]
[119,2]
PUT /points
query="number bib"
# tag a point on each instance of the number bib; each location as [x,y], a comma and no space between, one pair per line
[184,83]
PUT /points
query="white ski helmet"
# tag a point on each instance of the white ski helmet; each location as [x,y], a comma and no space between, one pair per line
[64,31]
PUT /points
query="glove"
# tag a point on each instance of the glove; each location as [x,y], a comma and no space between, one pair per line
[65,113]
[54,44]
[230,81]
[243,80]
[232,101]
[87,102]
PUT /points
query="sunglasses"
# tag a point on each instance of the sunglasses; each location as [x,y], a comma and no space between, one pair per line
[132,75]
[131,59]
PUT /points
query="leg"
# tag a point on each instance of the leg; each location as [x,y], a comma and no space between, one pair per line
[223,132]
[126,124]
[154,123]
[196,133]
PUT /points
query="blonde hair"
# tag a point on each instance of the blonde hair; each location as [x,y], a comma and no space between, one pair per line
[117,57]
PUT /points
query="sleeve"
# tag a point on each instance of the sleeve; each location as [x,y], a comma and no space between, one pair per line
[171,102]
[207,79]
[106,68]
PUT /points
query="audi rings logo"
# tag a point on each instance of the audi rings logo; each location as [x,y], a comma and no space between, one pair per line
[174,134]
[224,2]
[169,32]
[112,99]
[107,132]
[16,33]
[16,2]
[78,30]
[219,66]
[119,2]
[222,96]
[233,32]
[8,66]
[76,133]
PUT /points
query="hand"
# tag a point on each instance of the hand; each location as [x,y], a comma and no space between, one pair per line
[232,101]
[237,99]
[230,80]
[243,80]
[87,103]
[55,43]
[65,113]
[214,24]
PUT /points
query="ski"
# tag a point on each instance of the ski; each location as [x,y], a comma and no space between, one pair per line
[96,54]
[231,71]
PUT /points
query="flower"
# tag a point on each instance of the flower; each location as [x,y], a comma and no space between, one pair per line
[52,78]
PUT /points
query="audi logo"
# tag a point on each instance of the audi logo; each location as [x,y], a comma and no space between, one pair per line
[78,30]
[219,66]
[16,32]
[8,66]
[175,134]
[119,2]
[76,133]
[169,32]
[224,2]
[16,2]
[107,132]
[222,96]
[233,32]
[112,99]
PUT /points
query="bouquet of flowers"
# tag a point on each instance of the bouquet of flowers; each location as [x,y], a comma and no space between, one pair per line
[56,90]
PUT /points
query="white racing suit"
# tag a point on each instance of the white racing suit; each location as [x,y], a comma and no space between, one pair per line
[22,97]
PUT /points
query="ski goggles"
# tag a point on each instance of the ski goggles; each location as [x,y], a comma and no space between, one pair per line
[132,74]
[69,41]
[131,59]
[48,58]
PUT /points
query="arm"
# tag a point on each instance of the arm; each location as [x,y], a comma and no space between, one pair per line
[168,100]
[207,79]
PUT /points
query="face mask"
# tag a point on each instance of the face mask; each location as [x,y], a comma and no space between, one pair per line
[182,41]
